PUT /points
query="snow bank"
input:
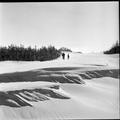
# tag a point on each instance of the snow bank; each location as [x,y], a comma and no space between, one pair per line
[11,86]
[98,98]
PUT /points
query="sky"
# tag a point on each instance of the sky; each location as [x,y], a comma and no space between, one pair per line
[80,26]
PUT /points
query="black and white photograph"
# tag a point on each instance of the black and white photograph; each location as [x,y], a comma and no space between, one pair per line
[59,60]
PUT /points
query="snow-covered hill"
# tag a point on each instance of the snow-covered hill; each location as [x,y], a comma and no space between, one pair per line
[85,86]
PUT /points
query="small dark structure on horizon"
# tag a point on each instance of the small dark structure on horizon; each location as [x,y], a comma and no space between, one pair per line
[64,49]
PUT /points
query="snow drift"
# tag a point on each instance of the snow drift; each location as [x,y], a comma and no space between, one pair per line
[85,86]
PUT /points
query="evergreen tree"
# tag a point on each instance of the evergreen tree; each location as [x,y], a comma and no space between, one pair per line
[13,52]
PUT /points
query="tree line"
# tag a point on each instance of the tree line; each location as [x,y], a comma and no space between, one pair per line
[114,49]
[20,53]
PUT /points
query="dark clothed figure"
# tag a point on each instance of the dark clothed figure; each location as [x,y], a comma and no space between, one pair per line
[68,56]
[63,56]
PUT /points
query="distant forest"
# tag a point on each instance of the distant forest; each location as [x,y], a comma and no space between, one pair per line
[20,53]
[114,49]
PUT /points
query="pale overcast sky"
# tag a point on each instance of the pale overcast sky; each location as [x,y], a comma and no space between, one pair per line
[80,26]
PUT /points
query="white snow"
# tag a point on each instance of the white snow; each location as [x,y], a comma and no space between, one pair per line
[96,99]
[11,86]
[76,60]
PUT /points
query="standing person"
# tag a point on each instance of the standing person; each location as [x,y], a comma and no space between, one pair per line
[68,56]
[63,56]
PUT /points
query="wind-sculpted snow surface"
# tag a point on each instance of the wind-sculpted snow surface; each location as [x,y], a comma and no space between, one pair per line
[23,97]
[61,75]
[84,87]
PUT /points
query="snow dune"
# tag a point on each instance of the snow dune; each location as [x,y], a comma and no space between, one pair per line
[84,87]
